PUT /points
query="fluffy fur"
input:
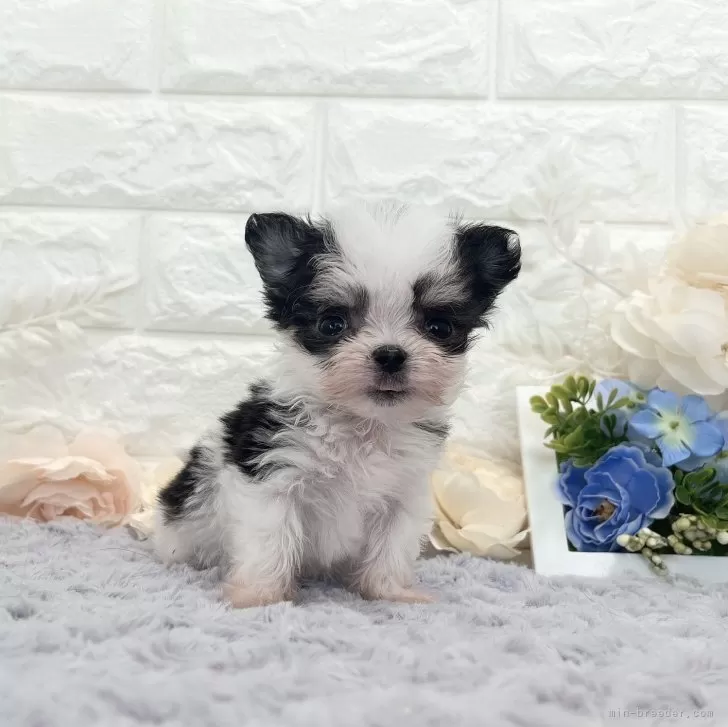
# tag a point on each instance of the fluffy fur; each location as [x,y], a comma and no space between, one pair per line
[323,468]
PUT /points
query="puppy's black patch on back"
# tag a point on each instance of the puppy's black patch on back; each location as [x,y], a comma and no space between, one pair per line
[175,497]
[249,429]
[247,433]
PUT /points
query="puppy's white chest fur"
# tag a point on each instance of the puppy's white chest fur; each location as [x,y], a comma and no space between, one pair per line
[349,474]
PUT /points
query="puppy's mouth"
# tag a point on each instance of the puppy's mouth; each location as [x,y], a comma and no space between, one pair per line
[388,396]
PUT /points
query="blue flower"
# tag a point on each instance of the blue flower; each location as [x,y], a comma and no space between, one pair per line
[625,491]
[680,427]
[625,390]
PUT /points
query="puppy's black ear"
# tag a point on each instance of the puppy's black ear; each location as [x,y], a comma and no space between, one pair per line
[283,248]
[278,243]
[490,257]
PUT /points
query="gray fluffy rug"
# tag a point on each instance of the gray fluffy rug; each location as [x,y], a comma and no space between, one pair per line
[94,632]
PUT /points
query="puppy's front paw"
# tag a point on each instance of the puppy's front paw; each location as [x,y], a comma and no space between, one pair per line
[245,597]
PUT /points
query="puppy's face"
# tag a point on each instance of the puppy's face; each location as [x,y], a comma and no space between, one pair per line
[378,306]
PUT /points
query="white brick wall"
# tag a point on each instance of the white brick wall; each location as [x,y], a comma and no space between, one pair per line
[135,136]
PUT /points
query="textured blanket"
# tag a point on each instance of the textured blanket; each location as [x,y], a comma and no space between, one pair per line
[94,632]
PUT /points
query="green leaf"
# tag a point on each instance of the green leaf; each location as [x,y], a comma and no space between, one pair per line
[713,472]
[678,476]
[582,387]
[592,386]
[553,402]
[689,479]
[682,495]
[702,477]
[600,402]
[612,396]
[558,446]
[575,439]
[697,509]
[708,495]
[610,422]
[570,386]
[620,403]
[561,393]
[538,404]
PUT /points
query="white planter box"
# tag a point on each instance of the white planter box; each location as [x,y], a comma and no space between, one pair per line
[549,547]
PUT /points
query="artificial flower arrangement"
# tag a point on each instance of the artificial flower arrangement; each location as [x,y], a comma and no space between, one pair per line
[640,471]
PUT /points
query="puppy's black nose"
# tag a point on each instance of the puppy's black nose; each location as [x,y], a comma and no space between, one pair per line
[389,358]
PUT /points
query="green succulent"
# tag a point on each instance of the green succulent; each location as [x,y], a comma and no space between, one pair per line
[579,432]
[704,494]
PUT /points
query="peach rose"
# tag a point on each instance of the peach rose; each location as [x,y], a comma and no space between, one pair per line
[93,478]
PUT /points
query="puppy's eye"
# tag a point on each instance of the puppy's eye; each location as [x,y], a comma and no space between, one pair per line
[332,325]
[438,328]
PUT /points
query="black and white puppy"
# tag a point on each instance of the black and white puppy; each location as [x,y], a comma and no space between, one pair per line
[323,468]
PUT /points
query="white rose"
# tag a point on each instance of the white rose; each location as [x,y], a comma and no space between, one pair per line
[700,257]
[480,506]
[680,330]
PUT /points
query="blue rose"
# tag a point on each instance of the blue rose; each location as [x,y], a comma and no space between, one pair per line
[625,491]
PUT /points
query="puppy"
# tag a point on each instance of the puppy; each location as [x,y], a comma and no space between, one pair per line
[322,469]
